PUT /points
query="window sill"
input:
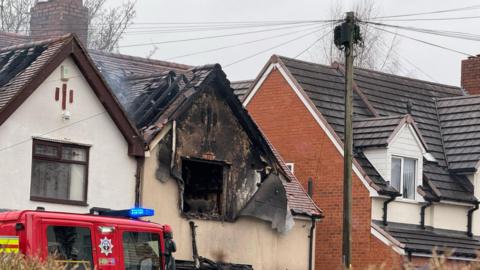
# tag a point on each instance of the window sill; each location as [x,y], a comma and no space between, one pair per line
[57,201]
[201,216]
[404,200]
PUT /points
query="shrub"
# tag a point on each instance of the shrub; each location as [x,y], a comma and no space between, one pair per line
[12,261]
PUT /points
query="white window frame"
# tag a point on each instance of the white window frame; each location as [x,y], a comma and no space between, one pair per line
[402,162]
[291,167]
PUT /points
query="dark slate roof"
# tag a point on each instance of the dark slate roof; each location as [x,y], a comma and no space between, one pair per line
[379,94]
[375,131]
[383,187]
[240,88]
[460,124]
[116,68]
[423,241]
[19,64]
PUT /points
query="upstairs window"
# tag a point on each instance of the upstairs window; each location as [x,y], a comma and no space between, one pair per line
[403,176]
[59,172]
[203,186]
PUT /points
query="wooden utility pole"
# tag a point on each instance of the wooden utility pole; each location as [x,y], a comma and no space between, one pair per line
[346,35]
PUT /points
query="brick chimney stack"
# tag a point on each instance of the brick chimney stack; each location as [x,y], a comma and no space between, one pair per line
[471,75]
[53,18]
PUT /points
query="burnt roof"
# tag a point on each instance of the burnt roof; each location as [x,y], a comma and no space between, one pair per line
[388,98]
[151,100]
[416,240]
[460,126]
[18,64]
[24,67]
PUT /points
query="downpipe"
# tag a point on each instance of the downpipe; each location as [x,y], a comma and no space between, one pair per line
[310,245]
[385,209]
[422,213]
[470,218]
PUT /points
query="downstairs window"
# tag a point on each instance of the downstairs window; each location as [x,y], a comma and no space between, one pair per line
[203,186]
[403,176]
[59,172]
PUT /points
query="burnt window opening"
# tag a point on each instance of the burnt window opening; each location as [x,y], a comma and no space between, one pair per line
[203,186]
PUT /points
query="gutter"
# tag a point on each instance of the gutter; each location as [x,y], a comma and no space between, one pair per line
[422,213]
[470,218]
[385,209]
[310,244]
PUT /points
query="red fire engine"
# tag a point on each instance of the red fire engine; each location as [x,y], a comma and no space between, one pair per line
[106,240]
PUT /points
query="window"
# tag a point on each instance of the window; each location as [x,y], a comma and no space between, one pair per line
[59,172]
[71,245]
[141,251]
[403,176]
[203,186]
[291,167]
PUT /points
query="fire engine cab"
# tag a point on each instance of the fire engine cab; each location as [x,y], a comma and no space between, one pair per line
[103,239]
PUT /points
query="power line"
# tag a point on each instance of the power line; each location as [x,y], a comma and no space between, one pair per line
[209,37]
[271,48]
[405,59]
[204,29]
[243,43]
[430,12]
[452,34]
[423,41]
[311,45]
[53,130]
[432,19]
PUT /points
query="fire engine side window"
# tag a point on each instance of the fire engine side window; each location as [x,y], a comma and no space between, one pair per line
[141,251]
[72,245]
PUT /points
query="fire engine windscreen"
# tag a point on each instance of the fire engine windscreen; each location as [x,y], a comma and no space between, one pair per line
[141,251]
[71,245]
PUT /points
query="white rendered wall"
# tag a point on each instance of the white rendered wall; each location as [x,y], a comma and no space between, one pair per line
[245,241]
[111,181]
[448,216]
[475,178]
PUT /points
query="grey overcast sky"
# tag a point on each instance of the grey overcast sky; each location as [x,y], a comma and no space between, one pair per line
[415,58]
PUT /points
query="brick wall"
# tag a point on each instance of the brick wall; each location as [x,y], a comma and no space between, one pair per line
[471,75]
[299,139]
[54,18]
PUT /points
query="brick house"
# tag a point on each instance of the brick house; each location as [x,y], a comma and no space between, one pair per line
[415,179]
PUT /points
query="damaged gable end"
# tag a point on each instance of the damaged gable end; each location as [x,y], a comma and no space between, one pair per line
[210,146]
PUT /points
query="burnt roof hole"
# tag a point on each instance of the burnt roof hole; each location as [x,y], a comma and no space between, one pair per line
[21,60]
[203,187]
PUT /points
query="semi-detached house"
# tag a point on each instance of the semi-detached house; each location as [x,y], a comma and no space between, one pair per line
[65,142]
[178,140]
[415,171]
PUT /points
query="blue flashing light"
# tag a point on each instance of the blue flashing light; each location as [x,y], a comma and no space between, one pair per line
[140,212]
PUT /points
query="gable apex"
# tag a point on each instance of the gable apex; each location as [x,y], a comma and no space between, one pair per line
[20,86]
